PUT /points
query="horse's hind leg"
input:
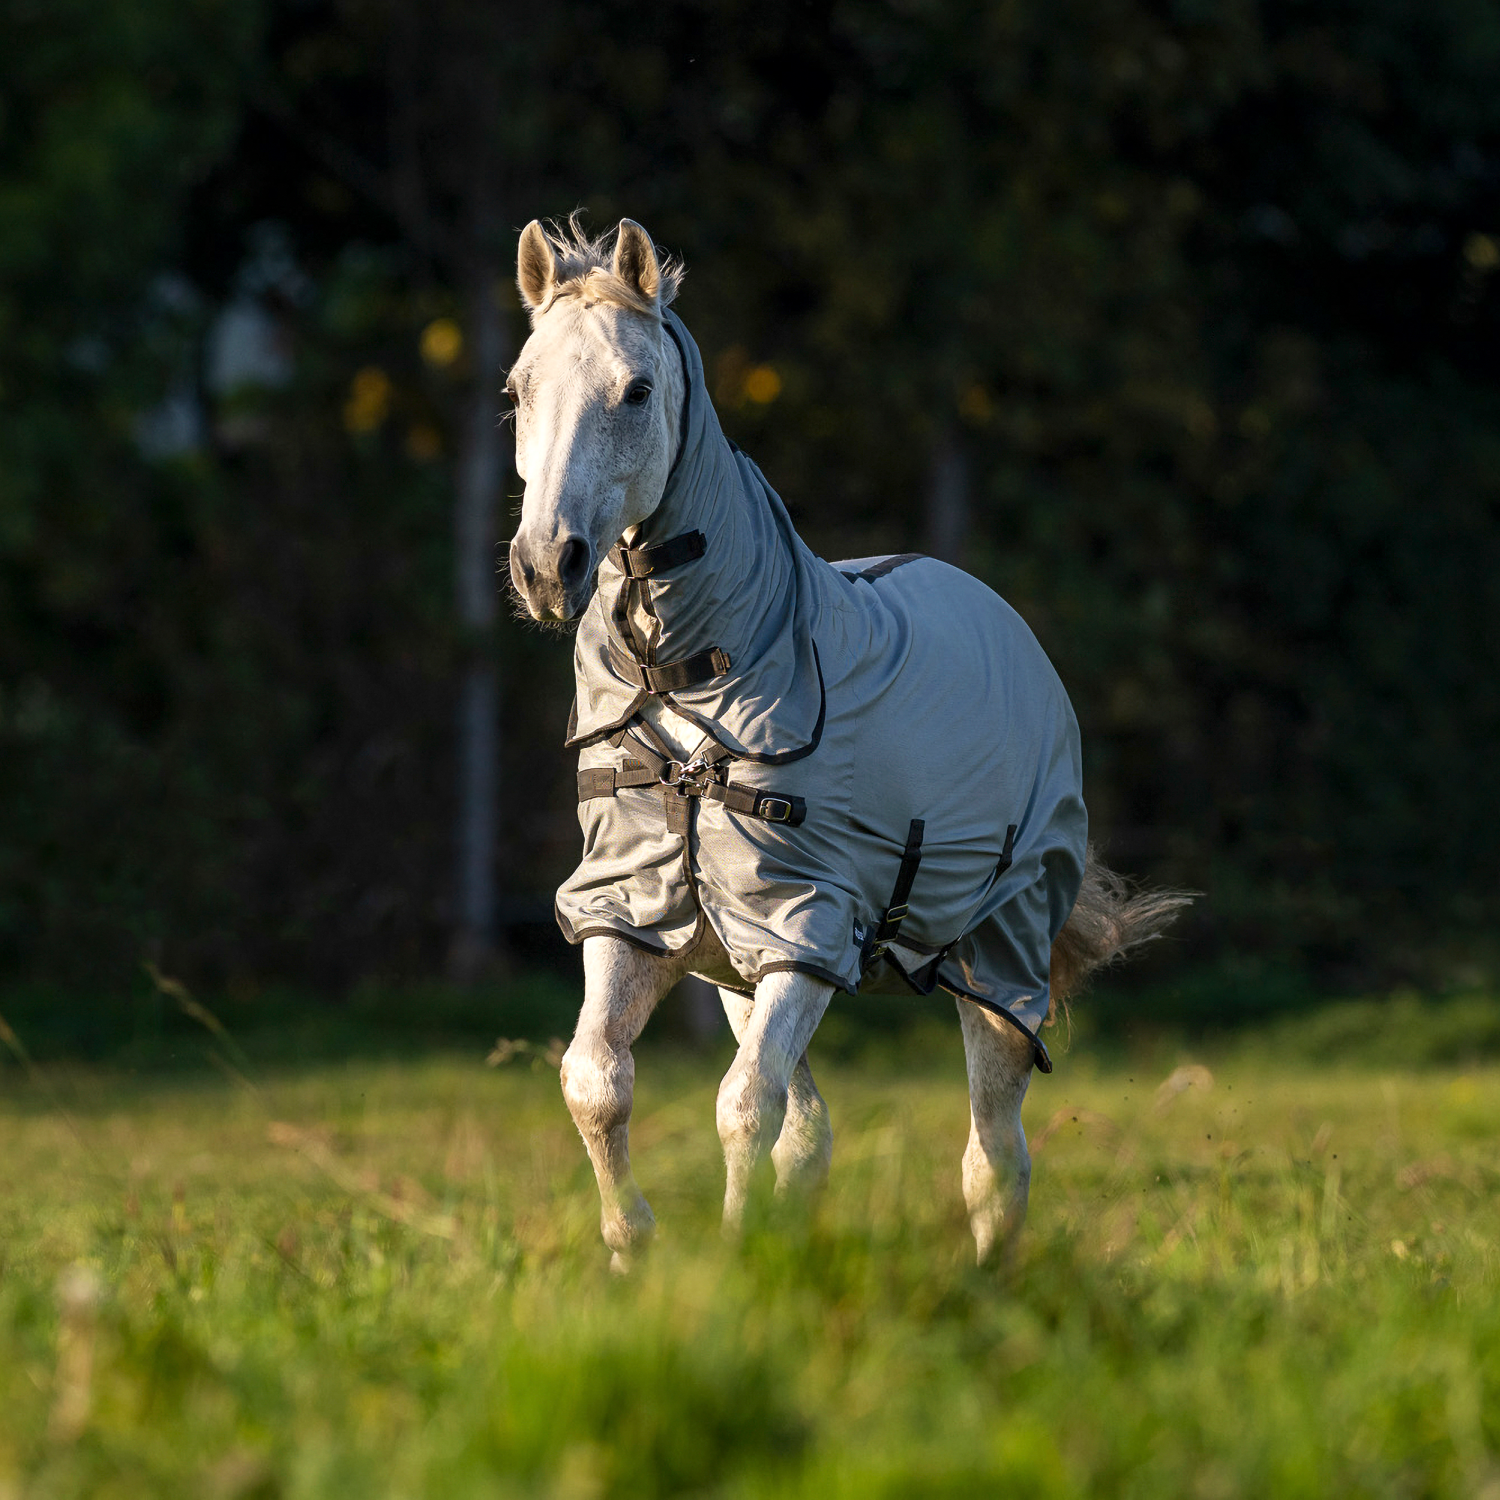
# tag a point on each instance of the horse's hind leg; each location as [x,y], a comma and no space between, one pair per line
[754,1098]
[622,986]
[997,1166]
[804,1148]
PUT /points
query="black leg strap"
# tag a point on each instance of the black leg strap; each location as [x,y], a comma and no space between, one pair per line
[674,676]
[1008,852]
[889,926]
[643,562]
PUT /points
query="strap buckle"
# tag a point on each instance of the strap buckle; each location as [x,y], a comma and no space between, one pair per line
[775,809]
[694,778]
[678,773]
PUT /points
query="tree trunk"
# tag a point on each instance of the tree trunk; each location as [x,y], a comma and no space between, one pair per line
[482,466]
[947,498]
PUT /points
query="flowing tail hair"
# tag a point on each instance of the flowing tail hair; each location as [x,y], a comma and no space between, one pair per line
[1110,921]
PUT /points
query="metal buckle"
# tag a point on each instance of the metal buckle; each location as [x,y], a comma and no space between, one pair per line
[896,913]
[687,780]
[677,773]
[775,809]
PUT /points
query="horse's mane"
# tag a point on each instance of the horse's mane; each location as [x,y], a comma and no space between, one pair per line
[585,268]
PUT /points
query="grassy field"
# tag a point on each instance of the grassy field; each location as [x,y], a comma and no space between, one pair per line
[1255,1270]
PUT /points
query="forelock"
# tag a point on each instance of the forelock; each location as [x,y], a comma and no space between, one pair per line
[585,270]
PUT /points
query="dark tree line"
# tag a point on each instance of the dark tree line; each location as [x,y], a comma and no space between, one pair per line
[1177,323]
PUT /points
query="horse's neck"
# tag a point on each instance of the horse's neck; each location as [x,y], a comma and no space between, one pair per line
[687,508]
[674,381]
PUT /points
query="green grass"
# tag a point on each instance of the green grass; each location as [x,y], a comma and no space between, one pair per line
[379,1279]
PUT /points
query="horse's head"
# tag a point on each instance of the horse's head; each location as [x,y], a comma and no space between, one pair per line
[597,389]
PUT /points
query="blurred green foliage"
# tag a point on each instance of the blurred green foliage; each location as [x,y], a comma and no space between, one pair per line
[1208,296]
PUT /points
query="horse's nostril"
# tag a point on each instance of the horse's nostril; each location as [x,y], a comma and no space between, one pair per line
[573,562]
[520,565]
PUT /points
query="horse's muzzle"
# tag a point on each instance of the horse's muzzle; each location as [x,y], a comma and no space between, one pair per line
[555,579]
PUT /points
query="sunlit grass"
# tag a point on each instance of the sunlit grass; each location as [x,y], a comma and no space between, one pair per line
[1271,1278]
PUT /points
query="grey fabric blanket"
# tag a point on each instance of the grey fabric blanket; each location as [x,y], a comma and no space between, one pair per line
[839,703]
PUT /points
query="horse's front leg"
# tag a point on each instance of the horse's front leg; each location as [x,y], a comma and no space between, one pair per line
[804,1149]
[622,986]
[752,1106]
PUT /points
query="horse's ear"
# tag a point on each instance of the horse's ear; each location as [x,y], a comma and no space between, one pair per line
[635,260]
[536,266]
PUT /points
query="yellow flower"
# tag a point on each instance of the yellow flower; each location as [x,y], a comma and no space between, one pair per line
[442,342]
[369,400]
[975,404]
[1481,252]
[762,385]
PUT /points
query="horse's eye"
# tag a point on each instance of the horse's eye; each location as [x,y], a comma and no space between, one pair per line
[638,394]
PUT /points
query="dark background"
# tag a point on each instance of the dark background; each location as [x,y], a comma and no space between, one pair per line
[1177,323]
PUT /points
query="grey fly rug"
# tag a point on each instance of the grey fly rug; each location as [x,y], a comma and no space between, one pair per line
[888,754]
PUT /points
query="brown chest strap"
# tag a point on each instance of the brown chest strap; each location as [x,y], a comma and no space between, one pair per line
[696,779]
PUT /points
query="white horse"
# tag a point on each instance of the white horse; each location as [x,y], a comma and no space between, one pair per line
[600,392]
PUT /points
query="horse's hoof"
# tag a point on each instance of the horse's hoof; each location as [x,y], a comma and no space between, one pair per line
[628,1230]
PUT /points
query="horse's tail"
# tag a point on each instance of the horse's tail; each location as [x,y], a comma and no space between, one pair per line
[1110,921]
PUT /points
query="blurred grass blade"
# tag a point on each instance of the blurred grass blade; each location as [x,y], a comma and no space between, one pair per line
[176,990]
